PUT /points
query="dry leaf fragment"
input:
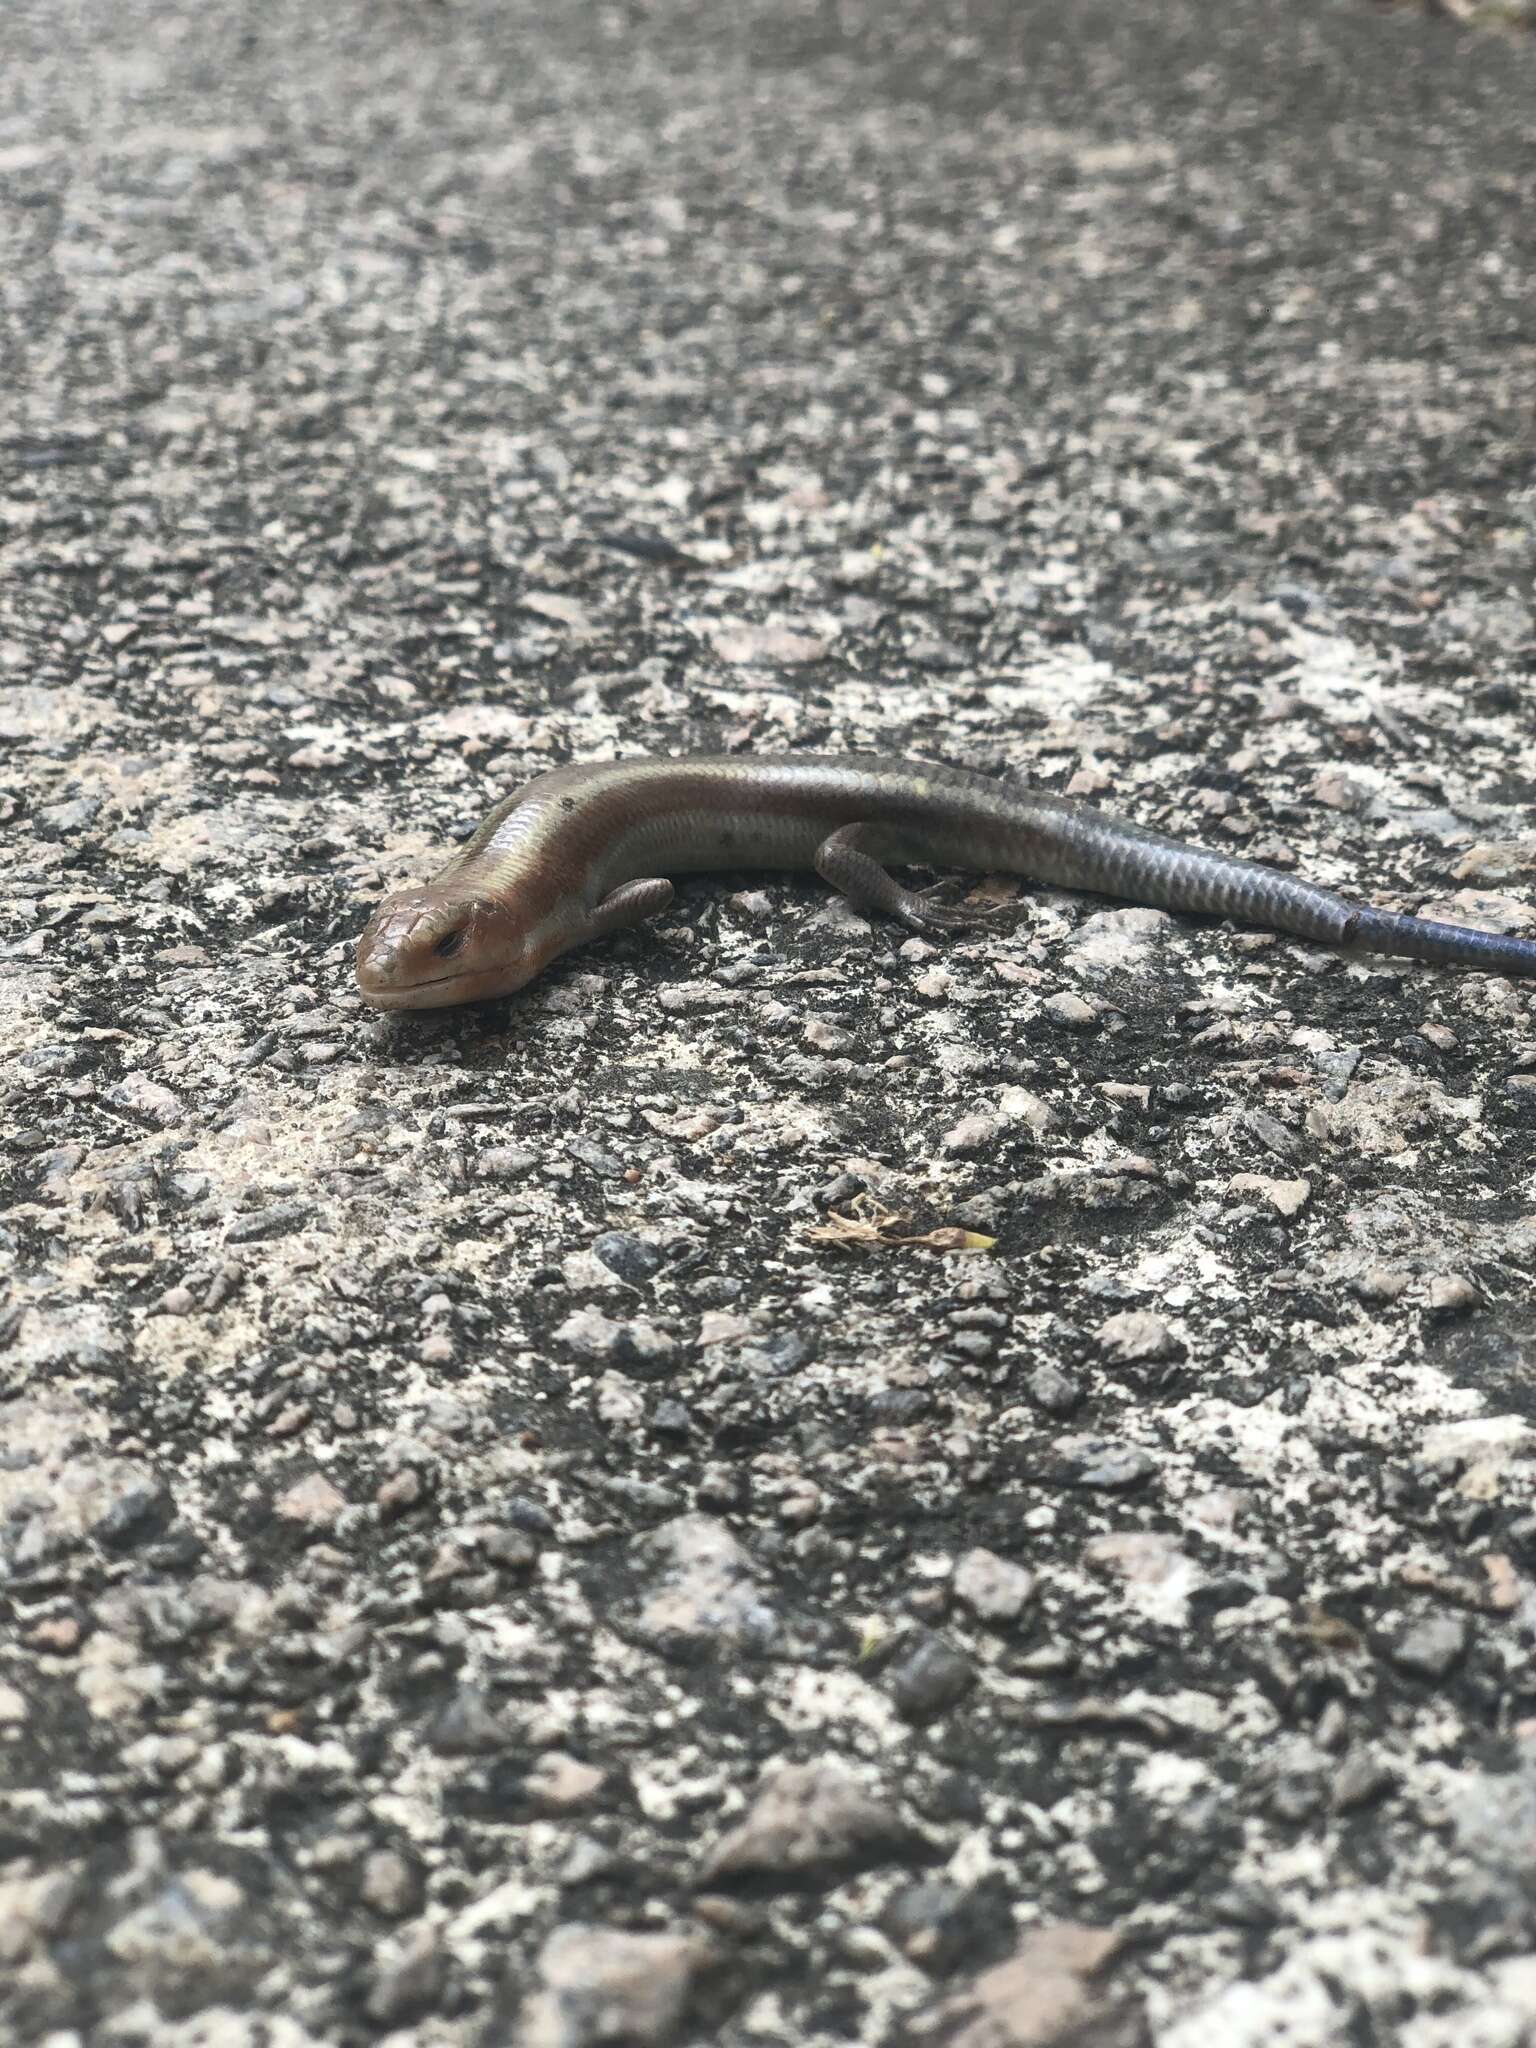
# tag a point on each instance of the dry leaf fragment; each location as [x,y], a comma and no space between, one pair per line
[872,1225]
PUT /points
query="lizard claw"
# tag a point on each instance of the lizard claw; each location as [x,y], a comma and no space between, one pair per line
[943,920]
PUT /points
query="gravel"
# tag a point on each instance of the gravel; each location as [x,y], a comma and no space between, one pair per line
[528,1525]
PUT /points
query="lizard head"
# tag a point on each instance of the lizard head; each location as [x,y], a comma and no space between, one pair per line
[425,948]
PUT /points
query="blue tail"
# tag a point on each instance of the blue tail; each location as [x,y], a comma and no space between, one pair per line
[1452,945]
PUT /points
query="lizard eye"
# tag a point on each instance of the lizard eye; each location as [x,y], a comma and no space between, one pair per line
[449,944]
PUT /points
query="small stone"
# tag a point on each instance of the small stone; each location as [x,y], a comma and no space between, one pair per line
[1019,1105]
[596,1158]
[510,1550]
[723,1488]
[261,1225]
[468,1725]
[1274,1135]
[827,1038]
[528,1515]
[313,1500]
[931,1923]
[804,1818]
[1451,1294]
[800,1505]
[747,646]
[900,1407]
[408,1977]
[599,1985]
[991,1586]
[1047,1994]
[390,1884]
[1286,1197]
[1137,1336]
[1383,1284]
[973,1134]
[63,820]
[1295,1792]
[617,1402]
[1057,1392]
[1103,1463]
[637,1345]
[138,1515]
[399,1493]
[671,1419]
[1362,1777]
[1158,1573]
[558,1783]
[930,1679]
[632,1258]
[1431,1646]
[149,1099]
[505,1162]
[705,1591]
[58,1636]
[558,610]
[1072,1012]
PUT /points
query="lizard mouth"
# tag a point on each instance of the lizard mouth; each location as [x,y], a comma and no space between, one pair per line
[434,991]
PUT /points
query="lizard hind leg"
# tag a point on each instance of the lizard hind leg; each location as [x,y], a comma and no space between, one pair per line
[630,905]
[843,862]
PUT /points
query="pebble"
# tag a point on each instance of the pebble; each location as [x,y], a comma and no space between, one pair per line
[933,1922]
[1430,1646]
[898,1407]
[596,1158]
[399,1493]
[929,1679]
[977,1133]
[558,1783]
[282,1219]
[671,1419]
[390,1884]
[312,1500]
[505,1162]
[1103,1463]
[632,1258]
[1451,1294]
[1071,1011]
[468,1725]
[1057,1392]
[1362,1777]
[700,1590]
[991,1586]
[804,1818]
[637,1345]
[408,1977]
[1050,1993]
[138,1515]
[1273,1134]
[1383,1284]
[724,1488]
[152,1100]
[1137,1336]
[1286,1197]
[602,1986]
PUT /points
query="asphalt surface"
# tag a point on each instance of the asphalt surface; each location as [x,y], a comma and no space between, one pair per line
[505,1537]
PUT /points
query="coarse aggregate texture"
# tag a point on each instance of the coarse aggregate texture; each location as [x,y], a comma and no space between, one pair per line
[502,1541]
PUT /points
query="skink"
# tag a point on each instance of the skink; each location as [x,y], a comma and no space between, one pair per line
[587,850]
